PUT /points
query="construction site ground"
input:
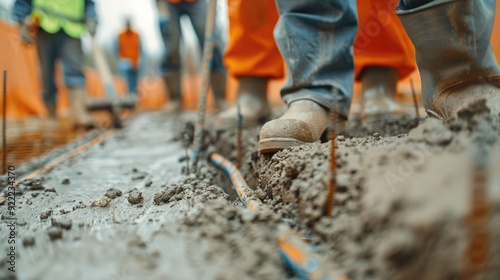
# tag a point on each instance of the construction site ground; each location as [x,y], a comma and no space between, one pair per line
[131,207]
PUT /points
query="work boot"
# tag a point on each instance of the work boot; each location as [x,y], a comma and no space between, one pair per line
[218,82]
[81,117]
[173,83]
[303,122]
[49,122]
[379,86]
[254,107]
[454,56]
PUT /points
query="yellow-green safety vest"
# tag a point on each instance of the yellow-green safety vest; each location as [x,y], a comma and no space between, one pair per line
[56,14]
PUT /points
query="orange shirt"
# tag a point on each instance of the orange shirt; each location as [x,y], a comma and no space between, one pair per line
[129,47]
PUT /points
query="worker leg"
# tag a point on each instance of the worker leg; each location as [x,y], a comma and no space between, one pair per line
[171,65]
[197,13]
[454,55]
[383,53]
[47,49]
[132,77]
[253,58]
[72,59]
[315,38]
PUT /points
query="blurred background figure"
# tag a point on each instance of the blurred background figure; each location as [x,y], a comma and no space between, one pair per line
[129,56]
[383,55]
[196,11]
[56,28]
[253,58]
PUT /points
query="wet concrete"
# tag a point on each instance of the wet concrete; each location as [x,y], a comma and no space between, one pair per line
[123,210]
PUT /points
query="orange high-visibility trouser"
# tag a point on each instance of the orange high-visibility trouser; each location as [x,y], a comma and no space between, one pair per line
[382,39]
[252,51]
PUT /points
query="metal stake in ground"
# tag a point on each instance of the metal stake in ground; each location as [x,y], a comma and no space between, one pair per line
[477,255]
[417,113]
[239,146]
[4,123]
[205,81]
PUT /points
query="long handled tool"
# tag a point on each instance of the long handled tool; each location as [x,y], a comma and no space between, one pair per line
[208,47]
[106,76]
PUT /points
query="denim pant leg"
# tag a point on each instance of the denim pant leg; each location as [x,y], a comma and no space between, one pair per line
[132,77]
[171,37]
[47,49]
[197,13]
[72,61]
[315,38]
[411,4]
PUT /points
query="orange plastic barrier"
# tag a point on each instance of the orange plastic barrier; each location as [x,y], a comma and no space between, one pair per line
[23,80]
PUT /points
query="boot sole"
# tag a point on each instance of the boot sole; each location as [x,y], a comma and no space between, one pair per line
[273,145]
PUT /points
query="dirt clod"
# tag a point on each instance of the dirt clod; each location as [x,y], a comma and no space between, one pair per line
[103,202]
[113,193]
[45,215]
[28,241]
[135,197]
[62,223]
[55,233]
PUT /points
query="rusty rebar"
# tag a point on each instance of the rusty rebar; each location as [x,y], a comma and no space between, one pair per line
[477,253]
[239,145]
[332,182]
[415,102]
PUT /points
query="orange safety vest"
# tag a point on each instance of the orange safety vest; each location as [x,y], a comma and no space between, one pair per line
[129,47]
[178,1]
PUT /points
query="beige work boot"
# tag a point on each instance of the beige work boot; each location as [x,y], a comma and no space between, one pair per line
[218,82]
[303,122]
[379,86]
[173,84]
[50,122]
[81,117]
[255,109]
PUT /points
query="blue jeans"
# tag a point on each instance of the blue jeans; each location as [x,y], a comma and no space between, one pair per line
[52,47]
[171,34]
[132,76]
[315,38]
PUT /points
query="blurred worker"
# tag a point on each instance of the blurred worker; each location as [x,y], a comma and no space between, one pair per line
[129,55]
[452,42]
[383,55]
[253,58]
[56,27]
[196,11]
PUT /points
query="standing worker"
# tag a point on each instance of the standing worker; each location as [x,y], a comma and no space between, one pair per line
[196,11]
[454,56]
[383,55]
[253,58]
[56,28]
[129,55]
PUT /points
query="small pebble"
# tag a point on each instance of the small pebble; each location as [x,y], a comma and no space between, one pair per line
[55,233]
[65,182]
[62,223]
[135,197]
[29,241]
[45,215]
[103,202]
